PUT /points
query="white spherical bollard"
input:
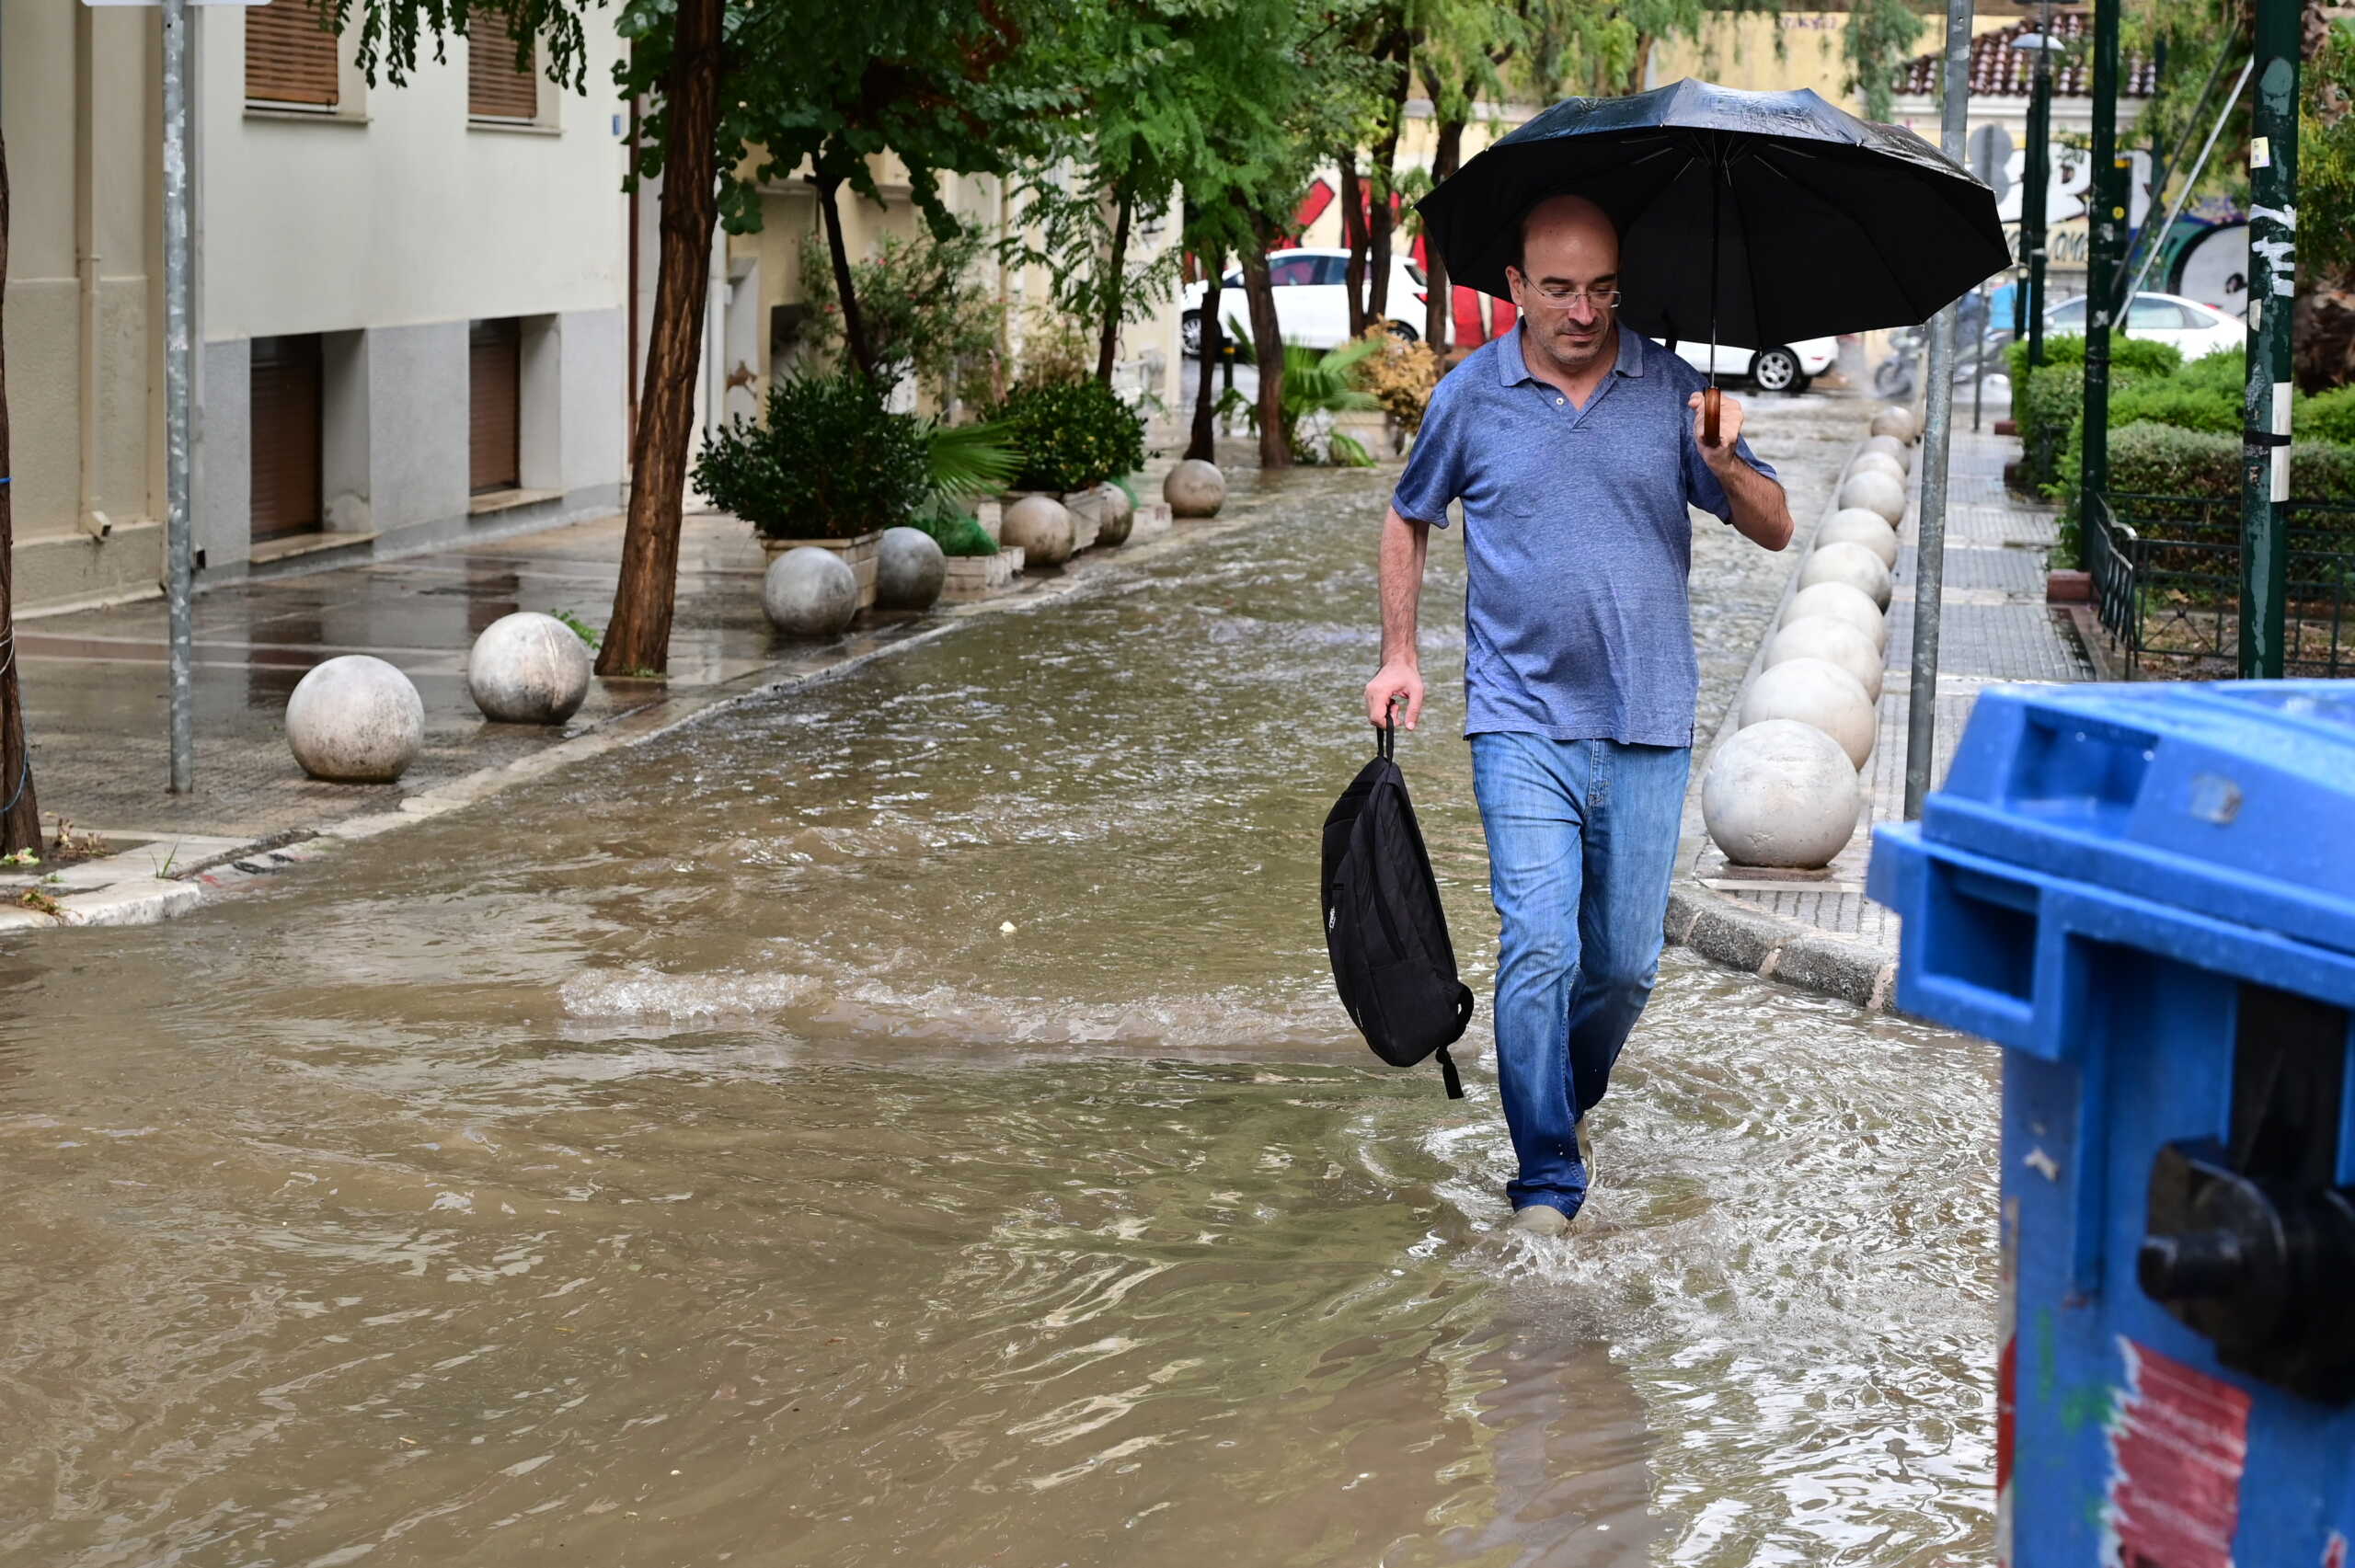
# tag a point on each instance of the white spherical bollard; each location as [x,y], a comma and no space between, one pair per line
[910,569]
[1839,602]
[1194,489]
[811,592]
[1875,492]
[1891,447]
[1781,793]
[1120,517]
[1851,564]
[1041,528]
[1857,526]
[1834,642]
[355,719]
[1893,420]
[1878,462]
[528,669]
[1816,692]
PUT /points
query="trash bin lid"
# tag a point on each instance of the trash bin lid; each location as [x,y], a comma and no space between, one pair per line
[2232,800]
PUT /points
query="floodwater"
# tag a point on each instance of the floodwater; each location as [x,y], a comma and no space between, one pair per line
[676,1163]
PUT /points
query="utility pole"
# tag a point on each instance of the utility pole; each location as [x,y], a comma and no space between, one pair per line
[2105,217]
[2272,258]
[178,247]
[1937,438]
[2034,186]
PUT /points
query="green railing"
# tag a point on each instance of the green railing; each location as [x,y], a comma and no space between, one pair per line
[2167,583]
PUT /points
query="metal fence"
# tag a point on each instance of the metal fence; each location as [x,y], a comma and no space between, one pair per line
[2166,583]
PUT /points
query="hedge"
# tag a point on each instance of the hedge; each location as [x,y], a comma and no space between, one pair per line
[2158,460]
[2138,356]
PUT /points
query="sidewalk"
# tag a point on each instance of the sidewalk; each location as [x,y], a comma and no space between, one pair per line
[97,699]
[1821,931]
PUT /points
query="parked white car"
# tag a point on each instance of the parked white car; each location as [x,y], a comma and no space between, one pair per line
[2191,326]
[1312,292]
[1785,368]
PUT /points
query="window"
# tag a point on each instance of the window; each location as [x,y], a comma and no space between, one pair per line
[1292,271]
[495,89]
[285,413]
[292,61]
[2147,313]
[494,409]
[2070,315]
[1333,270]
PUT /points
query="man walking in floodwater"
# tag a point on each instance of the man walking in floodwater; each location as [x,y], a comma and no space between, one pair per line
[1575,445]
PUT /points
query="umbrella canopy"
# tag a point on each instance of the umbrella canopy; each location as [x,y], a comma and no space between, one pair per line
[1755,219]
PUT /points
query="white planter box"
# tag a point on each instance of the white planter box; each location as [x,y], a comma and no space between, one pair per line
[978,577]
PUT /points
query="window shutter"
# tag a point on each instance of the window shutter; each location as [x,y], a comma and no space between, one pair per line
[290,57]
[495,89]
[494,380]
[285,432]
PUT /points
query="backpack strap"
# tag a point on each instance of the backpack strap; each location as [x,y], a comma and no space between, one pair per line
[1448,1075]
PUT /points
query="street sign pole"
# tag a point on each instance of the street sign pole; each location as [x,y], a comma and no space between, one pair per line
[1938,436]
[2105,213]
[2272,267]
[2035,181]
[178,355]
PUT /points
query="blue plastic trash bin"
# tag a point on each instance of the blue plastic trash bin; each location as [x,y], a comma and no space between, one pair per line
[2146,896]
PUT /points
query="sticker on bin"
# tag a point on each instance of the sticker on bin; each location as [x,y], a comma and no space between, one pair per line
[2178,1443]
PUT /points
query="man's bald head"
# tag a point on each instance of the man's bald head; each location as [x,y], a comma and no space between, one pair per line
[1567,220]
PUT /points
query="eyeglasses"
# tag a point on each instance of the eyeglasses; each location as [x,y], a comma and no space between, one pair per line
[1602,298]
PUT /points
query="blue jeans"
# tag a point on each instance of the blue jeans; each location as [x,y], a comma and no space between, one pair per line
[1581,843]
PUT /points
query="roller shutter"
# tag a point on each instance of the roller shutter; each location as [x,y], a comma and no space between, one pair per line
[289,58]
[494,380]
[285,415]
[495,89]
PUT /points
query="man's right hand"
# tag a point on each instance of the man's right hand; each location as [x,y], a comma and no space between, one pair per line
[1397,681]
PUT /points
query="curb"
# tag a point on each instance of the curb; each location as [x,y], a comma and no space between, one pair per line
[1741,936]
[147,900]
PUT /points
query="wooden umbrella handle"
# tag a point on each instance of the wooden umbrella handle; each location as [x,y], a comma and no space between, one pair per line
[1710,417]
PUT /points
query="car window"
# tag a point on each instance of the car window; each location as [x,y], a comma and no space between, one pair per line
[2070,315]
[1233,279]
[1422,279]
[1291,270]
[2155,314]
[1333,270]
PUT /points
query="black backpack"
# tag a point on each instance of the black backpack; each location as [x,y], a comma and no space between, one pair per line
[1384,926]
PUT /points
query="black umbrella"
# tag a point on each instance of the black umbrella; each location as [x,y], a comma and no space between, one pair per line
[1754,219]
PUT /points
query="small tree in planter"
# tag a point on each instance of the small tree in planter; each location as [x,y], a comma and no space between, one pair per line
[1073,436]
[828,465]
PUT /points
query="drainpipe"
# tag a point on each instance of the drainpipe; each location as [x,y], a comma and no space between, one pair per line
[93,521]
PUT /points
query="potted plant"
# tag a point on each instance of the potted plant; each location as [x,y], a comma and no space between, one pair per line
[828,465]
[1073,436]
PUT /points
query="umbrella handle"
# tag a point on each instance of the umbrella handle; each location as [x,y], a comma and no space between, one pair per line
[1710,417]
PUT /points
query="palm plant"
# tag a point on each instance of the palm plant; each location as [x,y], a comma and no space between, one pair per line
[970,461]
[1325,384]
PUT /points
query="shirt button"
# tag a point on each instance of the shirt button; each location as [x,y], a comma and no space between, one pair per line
[1557,402]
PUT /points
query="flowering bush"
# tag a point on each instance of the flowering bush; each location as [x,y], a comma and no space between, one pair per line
[1400,375]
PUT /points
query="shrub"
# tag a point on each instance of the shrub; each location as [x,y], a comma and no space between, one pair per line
[1399,375]
[925,309]
[1071,435]
[2327,416]
[2137,356]
[954,532]
[2172,402]
[2226,371]
[2159,459]
[829,461]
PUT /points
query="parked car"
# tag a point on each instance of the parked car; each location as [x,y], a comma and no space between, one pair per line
[1312,292]
[2191,326]
[1785,368]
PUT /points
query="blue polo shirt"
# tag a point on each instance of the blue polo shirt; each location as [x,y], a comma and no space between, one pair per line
[1576,620]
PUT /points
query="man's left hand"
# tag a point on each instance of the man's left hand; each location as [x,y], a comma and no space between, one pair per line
[1729,430]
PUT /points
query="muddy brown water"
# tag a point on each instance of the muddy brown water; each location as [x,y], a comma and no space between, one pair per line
[676,1164]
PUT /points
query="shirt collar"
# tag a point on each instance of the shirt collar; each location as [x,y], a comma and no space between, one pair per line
[1512,359]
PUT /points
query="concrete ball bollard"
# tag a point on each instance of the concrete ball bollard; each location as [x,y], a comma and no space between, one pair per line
[1878,462]
[1816,692]
[1194,489]
[1857,526]
[1875,492]
[528,669]
[1834,642]
[1120,517]
[355,719]
[811,592]
[910,569]
[1041,529]
[1781,793]
[1852,564]
[1891,447]
[1840,601]
[1893,420]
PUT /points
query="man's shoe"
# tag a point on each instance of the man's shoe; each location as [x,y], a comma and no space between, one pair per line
[1540,1219]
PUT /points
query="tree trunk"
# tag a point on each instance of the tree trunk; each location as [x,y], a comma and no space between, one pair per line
[1353,236]
[1439,309]
[1268,347]
[1380,223]
[19,813]
[637,639]
[846,291]
[1110,342]
[1203,441]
